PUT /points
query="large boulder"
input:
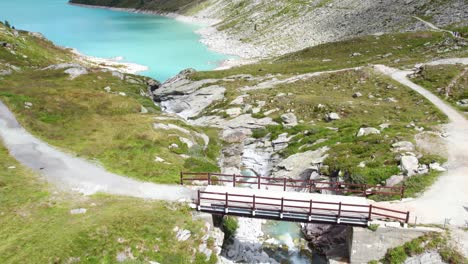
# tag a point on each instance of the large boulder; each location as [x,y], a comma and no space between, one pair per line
[300,165]
[330,240]
[403,146]
[409,165]
[331,117]
[365,131]
[289,119]
[394,180]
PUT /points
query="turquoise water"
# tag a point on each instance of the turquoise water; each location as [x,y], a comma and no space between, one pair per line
[165,45]
[286,233]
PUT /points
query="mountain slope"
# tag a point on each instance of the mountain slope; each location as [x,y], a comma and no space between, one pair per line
[279,27]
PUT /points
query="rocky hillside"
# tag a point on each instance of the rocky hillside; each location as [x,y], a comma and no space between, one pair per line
[272,27]
[180,6]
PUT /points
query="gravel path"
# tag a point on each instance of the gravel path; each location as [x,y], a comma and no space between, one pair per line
[73,173]
[448,197]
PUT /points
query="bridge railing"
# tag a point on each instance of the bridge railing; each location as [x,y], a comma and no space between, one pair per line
[307,208]
[285,183]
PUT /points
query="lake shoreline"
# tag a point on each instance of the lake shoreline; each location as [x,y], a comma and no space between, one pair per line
[215,40]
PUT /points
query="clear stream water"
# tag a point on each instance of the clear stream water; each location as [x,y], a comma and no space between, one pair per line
[165,45]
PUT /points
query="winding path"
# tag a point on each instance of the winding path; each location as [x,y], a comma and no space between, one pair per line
[448,197]
[73,173]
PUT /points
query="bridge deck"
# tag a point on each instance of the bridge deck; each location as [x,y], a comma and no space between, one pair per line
[292,206]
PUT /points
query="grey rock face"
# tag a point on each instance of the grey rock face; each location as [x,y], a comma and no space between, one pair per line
[409,165]
[425,258]
[330,240]
[153,84]
[300,165]
[185,97]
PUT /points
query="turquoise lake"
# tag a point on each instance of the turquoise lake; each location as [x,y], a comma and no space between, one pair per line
[165,45]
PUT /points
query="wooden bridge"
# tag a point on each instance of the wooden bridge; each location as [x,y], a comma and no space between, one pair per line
[291,200]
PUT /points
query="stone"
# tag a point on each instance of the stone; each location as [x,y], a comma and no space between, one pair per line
[357,95]
[409,165]
[76,72]
[28,105]
[391,100]
[356,54]
[384,126]
[423,169]
[173,146]
[362,164]
[247,108]
[365,131]
[300,165]
[281,142]
[332,116]
[159,159]
[234,136]
[394,180]
[125,255]
[107,89]
[425,258]
[122,94]
[183,235]
[159,126]
[436,167]
[203,248]
[463,103]
[118,75]
[143,110]
[153,84]
[403,146]
[269,112]
[289,119]
[187,142]
[239,100]
[233,112]
[78,211]
[12,167]
[256,110]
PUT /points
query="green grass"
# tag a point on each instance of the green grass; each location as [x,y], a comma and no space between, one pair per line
[230,226]
[334,92]
[29,51]
[36,225]
[396,50]
[439,78]
[429,242]
[79,115]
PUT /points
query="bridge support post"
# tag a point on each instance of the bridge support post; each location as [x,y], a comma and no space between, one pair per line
[258,182]
[284,184]
[369,217]
[198,202]
[253,205]
[282,206]
[226,205]
[402,193]
[181,178]
[209,178]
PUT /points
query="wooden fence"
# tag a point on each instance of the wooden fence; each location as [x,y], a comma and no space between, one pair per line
[310,185]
